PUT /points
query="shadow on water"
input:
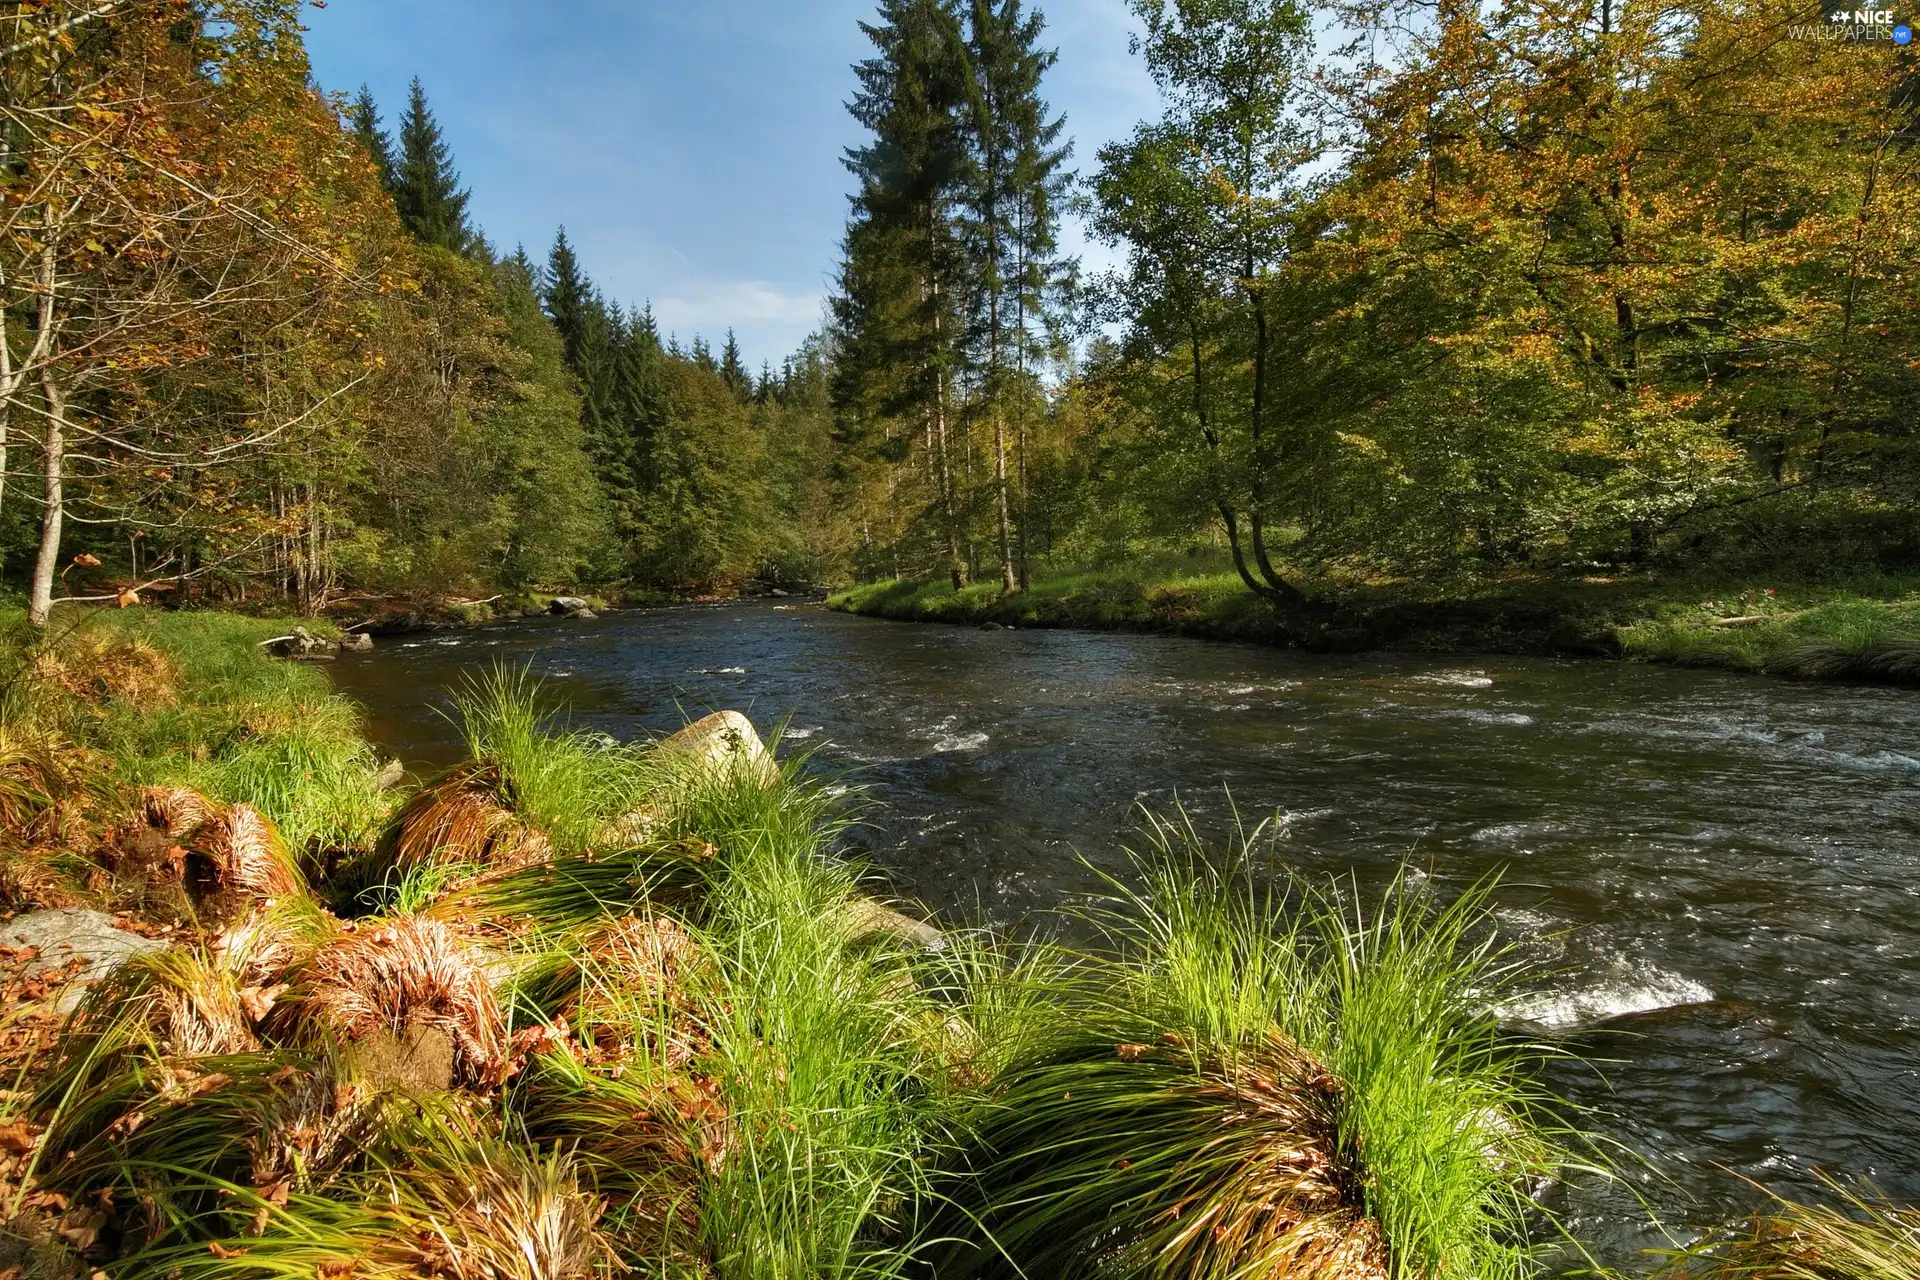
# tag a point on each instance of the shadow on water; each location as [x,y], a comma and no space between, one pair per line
[1721,870]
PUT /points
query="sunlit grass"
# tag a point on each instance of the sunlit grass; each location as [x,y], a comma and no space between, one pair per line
[1264,1080]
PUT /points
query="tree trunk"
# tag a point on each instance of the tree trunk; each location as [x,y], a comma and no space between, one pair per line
[40,603]
[956,566]
[1026,496]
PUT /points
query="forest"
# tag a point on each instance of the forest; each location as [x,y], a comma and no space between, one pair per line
[1401,292]
[1400,307]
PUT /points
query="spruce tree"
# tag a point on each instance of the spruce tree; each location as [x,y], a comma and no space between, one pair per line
[363,114]
[1012,182]
[569,298]
[426,187]
[733,369]
[896,314]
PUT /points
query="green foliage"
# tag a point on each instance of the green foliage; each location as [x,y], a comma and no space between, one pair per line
[566,784]
[425,186]
[1242,1047]
[701,521]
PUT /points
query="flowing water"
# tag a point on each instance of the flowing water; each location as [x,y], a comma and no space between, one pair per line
[1722,873]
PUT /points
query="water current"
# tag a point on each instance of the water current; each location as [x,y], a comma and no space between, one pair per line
[1720,874]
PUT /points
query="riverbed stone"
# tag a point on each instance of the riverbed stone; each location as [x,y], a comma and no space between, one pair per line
[568,606]
[86,945]
[356,642]
[725,739]
[874,919]
[300,643]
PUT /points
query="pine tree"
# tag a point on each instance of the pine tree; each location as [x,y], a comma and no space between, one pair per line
[363,114]
[733,369]
[426,187]
[896,314]
[1011,181]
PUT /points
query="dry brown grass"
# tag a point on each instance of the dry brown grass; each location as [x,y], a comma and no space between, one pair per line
[1859,1235]
[249,858]
[100,669]
[461,818]
[483,1210]
[216,861]
[405,972]
[51,791]
[208,999]
[178,811]
[312,1128]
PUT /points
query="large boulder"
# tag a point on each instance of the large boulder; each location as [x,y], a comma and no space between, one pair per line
[71,949]
[570,606]
[356,642]
[724,740]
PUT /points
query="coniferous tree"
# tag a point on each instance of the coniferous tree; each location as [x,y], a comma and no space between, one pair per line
[733,369]
[896,315]
[364,115]
[426,187]
[1011,181]
[569,299]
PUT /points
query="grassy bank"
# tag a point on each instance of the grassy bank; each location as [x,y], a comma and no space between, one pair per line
[579,1009]
[1867,628]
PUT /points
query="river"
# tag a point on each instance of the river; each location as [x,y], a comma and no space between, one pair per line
[1719,870]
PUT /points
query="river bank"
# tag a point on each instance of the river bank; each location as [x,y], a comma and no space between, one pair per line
[605,1005]
[587,1007]
[1867,629]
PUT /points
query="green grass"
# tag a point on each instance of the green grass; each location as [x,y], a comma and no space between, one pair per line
[716,1072]
[813,1045]
[1865,627]
[1240,1043]
[1858,1236]
[567,784]
[1181,595]
[216,714]
[1868,631]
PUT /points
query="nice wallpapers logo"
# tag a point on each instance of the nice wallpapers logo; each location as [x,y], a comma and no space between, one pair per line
[1857,26]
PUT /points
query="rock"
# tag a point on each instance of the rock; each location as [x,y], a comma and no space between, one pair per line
[396,622]
[778,594]
[633,829]
[567,606]
[299,643]
[725,739]
[991,626]
[871,919]
[583,615]
[356,642]
[86,943]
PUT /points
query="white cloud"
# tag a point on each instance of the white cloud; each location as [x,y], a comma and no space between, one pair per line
[764,315]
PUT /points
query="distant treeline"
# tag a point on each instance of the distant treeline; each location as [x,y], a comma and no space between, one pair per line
[1476,290]
[253,345]
[1404,289]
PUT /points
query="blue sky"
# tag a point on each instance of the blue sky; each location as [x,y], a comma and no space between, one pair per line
[691,149]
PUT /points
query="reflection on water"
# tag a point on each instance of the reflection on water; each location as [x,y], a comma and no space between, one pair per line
[1718,870]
